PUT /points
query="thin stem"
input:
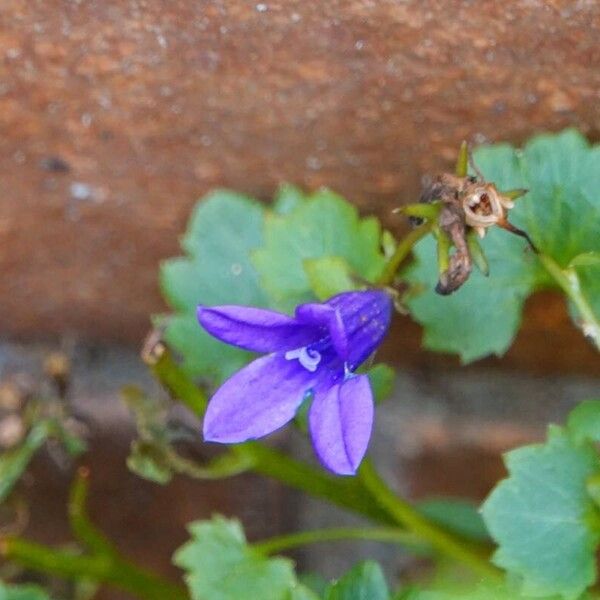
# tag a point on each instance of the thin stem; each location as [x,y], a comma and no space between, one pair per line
[462,162]
[225,465]
[422,210]
[405,515]
[477,253]
[71,565]
[343,491]
[402,251]
[391,535]
[568,281]
[104,565]
[80,523]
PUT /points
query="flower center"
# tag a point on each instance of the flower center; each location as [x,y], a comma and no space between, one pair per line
[483,208]
[307,357]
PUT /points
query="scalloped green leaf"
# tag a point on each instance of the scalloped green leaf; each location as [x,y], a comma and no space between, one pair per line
[583,422]
[545,524]
[323,225]
[365,581]
[220,565]
[483,316]
[224,229]
[561,213]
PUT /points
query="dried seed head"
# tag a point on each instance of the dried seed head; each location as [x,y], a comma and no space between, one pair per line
[484,206]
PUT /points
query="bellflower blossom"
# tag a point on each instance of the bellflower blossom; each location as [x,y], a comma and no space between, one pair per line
[317,351]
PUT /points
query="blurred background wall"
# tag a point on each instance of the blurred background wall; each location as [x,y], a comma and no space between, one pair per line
[117,115]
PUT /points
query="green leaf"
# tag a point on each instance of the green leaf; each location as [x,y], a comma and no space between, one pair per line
[14,462]
[287,199]
[546,525]
[388,244]
[328,276]
[323,225]
[220,566]
[561,213]
[586,259]
[224,228]
[363,582]
[583,422]
[22,592]
[483,316]
[457,516]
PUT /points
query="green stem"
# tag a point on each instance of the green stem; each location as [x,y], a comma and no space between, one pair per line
[111,570]
[405,515]
[477,253]
[391,535]
[424,210]
[180,386]
[462,162]
[402,251]
[443,250]
[225,465]
[568,281]
[81,526]
[346,492]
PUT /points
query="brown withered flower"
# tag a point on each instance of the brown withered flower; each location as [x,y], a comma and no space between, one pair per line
[467,207]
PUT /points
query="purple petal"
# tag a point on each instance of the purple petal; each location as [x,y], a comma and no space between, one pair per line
[325,315]
[257,400]
[255,329]
[366,316]
[340,421]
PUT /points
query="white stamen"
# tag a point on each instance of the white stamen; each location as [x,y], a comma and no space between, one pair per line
[308,358]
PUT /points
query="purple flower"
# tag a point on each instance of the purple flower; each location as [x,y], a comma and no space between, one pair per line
[316,351]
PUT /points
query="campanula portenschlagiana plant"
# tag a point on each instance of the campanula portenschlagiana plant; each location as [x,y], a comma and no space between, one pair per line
[304,255]
[314,352]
